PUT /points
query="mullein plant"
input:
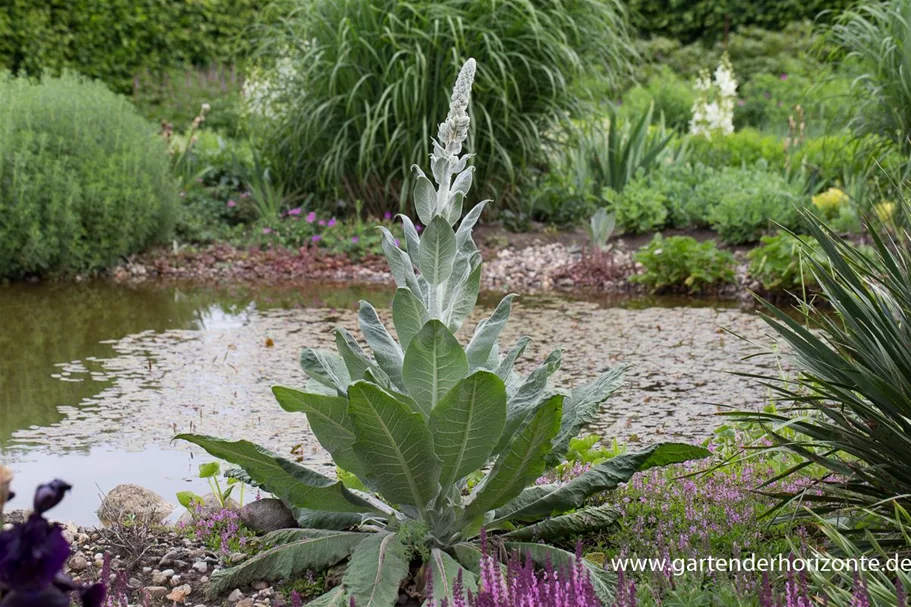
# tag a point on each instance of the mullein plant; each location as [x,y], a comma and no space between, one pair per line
[33,553]
[412,424]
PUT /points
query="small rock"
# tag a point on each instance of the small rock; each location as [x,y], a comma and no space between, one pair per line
[260,585]
[159,578]
[175,581]
[134,583]
[244,603]
[132,501]
[156,592]
[201,566]
[78,563]
[235,595]
[265,515]
[180,593]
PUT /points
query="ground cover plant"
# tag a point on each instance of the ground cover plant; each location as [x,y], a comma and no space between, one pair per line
[415,426]
[682,262]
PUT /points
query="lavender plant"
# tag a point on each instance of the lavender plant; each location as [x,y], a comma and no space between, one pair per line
[32,555]
[416,420]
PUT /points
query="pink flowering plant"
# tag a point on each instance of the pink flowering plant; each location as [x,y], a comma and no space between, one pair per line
[220,531]
[424,414]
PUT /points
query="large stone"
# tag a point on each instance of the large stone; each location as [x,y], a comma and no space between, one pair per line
[210,505]
[265,515]
[133,503]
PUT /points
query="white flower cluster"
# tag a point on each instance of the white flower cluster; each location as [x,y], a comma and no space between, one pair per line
[713,110]
[264,88]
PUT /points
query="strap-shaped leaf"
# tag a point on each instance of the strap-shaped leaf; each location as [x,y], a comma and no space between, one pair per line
[434,363]
[603,477]
[329,421]
[575,524]
[604,582]
[325,367]
[356,360]
[409,314]
[504,370]
[487,332]
[581,407]
[466,425]
[521,463]
[294,552]
[286,480]
[386,350]
[394,446]
[378,566]
[425,199]
[443,571]
[438,251]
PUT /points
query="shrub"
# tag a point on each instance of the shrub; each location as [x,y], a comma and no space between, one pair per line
[419,422]
[745,147]
[850,401]
[672,97]
[780,263]
[639,208]
[368,80]
[682,261]
[83,178]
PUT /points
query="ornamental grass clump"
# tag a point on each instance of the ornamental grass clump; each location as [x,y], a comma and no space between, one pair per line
[411,424]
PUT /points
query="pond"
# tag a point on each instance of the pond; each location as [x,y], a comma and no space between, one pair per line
[96,378]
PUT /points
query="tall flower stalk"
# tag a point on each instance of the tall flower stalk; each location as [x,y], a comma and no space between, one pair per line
[713,110]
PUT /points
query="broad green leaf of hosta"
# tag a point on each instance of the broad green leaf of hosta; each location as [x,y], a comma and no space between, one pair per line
[438,251]
[283,478]
[329,421]
[605,476]
[521,463]
[487,332]
[581,407]
[325,367]
[434,363]
[409,314]
[394,446]
[386,350]
[443,570]
[603,581]
[425,199]
[356,360]
[466,425]
[294,552]
[574,524]
[377,568]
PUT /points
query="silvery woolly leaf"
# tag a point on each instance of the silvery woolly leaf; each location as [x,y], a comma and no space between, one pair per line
[434,363]
[386,350]
[325,367]
[463,234]
[487,332]
[444,570]
[356,360]
[425,199]
[400,263]
[462,182]
[464,299]
[412,239]
[409,314]
[453,210]
[377,568]
[504,370]
[438,251]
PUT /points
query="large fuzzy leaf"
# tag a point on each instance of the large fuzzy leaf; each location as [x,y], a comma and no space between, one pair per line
[333,598]
[294,552]
[604,582]
[603,477]
[504,369]
[356,360]
[425,199]
[521,463]
[329,421]
[386,350]
[463,234]
[581,407]
[438,251]
[463,298]
[469,556]
[523,401]
[487,332]
[575,524]
[409,314]
[442,571]
[377,568]
[320,519]
[412,239]
[467,423]
[325,367]
[394,446]
[286,480]
[434,363]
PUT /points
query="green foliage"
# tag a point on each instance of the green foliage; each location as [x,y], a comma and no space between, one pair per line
[600,228]
[423,415]
[780,263]
[750,208]
[83,178]
[877,39]
[742,148]
[682,261]
[639,208]
[708,20]
[368,80]
[116,40]
[210,472]
[851,401]
[671,95]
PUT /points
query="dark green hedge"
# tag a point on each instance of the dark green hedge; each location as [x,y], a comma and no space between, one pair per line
[113,40]
[690,20]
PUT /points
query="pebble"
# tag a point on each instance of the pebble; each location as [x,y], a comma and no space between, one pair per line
[156,592]
[201,566]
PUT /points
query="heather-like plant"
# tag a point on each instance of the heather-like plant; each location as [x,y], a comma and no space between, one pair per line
[425,413]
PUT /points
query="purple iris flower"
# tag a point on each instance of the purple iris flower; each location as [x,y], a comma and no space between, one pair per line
[32,556]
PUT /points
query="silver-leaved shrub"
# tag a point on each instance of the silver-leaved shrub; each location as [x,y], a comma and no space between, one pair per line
[412,423]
